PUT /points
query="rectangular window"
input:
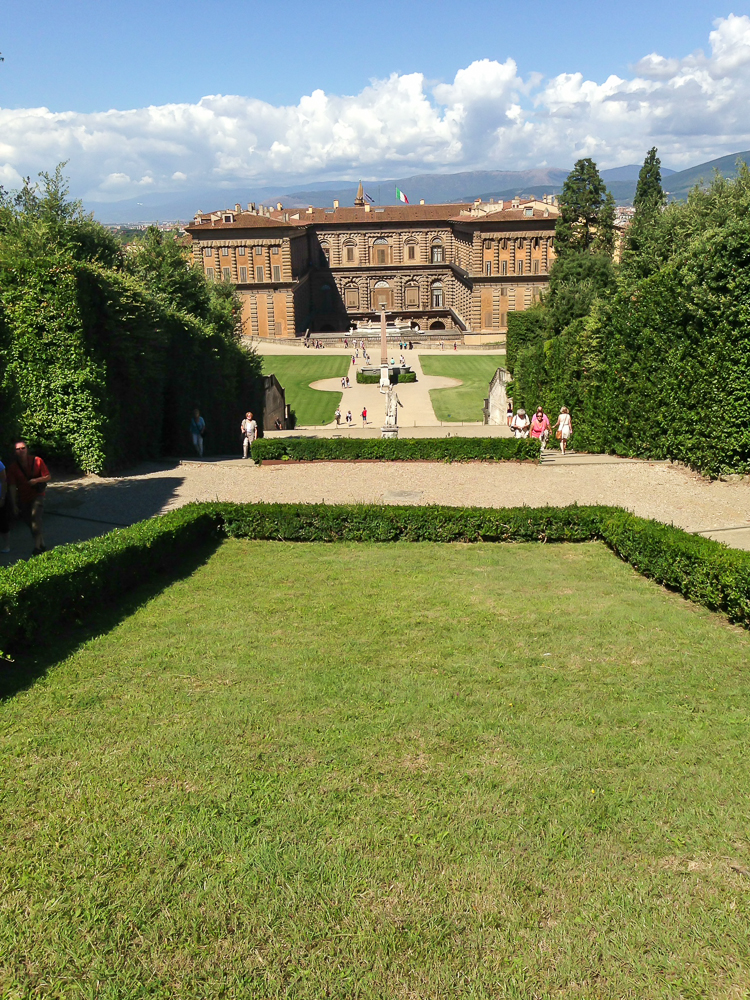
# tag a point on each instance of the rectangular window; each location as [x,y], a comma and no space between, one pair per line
[258,251]
[488,321]
[352,298]
[412,297]
[536,267]
[208,252]
[412,253]
[437,255]
[519,267]
[504,267]
[274,249]
[488,267]
[276,272]
[259,273]
[243,275]
[380,256]
[278,328]
[350,253]
[226,273]
[225,251]
[210,273]
[241,251]
[503,319]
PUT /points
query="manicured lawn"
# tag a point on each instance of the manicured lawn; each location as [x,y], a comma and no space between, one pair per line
[381,771]
[311,405]
[465,402]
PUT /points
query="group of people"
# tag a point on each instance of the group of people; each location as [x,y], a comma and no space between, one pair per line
[22,488]
[539,427]
[349,418]
[345,383]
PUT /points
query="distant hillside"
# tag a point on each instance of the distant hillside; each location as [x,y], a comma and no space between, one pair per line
[680,183]
[434,188]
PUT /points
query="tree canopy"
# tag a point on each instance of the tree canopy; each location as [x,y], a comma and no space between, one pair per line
[586,220]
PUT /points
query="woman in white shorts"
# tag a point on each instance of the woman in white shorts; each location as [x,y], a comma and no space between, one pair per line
[564,427]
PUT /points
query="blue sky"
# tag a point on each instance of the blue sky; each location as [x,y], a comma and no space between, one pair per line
[154,98]
[93,55]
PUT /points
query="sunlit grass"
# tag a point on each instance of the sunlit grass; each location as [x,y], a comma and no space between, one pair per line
[464,402]
[312,406]
[404,770]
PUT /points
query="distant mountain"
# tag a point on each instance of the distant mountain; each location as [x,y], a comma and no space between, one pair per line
[680,183]
[434,188]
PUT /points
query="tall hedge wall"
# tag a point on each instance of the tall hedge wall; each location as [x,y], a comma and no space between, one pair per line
[101,374]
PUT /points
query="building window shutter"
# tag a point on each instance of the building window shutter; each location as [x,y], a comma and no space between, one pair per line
[488,321]
[210,273]
[243,274]
[259,273]
[226,273]
[276,272]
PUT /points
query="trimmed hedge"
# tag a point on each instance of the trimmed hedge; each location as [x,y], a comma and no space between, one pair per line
[404,377]
[38,596]
[453,449]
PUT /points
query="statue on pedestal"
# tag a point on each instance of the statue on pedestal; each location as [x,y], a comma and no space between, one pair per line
[392,403]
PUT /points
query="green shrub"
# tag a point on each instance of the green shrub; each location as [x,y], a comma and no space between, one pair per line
[364,378]
[453,449]
[405,377]
[39,596]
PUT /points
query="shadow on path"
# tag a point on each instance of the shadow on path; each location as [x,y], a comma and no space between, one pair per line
[29,666]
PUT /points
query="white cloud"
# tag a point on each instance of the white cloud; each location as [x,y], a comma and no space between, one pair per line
[694,108]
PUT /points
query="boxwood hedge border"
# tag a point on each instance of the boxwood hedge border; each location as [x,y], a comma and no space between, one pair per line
[449,449]
[42,595]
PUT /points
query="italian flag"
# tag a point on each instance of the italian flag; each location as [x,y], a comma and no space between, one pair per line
[401,196]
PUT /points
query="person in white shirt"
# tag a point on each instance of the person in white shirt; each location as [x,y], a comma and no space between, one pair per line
[249,430]
[564,427]
[520,424]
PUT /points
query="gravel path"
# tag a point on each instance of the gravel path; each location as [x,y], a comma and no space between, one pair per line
[83,507]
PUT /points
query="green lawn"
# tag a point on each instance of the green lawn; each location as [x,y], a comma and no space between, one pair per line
[465,402]
[296,373]
[402,770]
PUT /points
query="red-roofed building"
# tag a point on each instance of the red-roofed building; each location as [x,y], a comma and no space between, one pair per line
[449,267]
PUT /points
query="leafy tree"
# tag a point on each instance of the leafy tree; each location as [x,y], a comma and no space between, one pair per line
[582,203]
[649,194]
[576,280]
[604,238]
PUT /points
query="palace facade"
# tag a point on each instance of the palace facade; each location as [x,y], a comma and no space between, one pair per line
[436,267]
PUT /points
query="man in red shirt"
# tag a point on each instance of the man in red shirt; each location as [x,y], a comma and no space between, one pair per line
[27,479]
[540,426]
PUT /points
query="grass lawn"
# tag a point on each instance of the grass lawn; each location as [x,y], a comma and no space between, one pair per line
[311,405]
[465,402]
[409,770]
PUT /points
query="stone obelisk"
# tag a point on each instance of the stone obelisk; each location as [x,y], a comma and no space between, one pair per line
[385,378]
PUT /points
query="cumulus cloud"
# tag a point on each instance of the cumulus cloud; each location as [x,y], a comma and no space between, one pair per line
[489,116]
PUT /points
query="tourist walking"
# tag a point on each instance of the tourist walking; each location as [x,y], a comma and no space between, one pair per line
[455,345]
[364,416]
[197,430]
[349,419]
[520,424]
[249,429]
[564,427]
[27,478]
[337,415]
[347,384]
[509,413]
[540,427]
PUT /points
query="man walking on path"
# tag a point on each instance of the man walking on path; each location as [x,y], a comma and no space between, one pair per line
[540,427]
[197,430]
[364,416]
[337,415]
[520,424]
[27,478]
[249,430]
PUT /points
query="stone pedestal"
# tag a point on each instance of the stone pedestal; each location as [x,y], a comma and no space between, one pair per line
[389,431]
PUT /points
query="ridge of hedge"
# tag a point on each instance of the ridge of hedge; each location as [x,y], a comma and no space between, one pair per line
[45,593]
[364,378]
[397,449]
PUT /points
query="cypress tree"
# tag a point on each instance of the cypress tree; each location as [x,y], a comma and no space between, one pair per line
[581,202]
[649,194]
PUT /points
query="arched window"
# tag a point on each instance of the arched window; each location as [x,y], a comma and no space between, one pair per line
[351,297]
[381,251]
[411,297]
[437,295]
[350,252]
[411,251]
[325,255]
[437,252]
[382,296]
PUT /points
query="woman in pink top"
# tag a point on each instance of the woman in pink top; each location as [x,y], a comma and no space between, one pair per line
[540,426]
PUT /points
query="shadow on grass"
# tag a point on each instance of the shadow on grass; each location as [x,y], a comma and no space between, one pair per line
[29,666]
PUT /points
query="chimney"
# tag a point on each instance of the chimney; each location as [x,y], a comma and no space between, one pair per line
[421,201]
[251,206]
[309,209]
[238,207]
[335,204]
[367,207]
[278,206]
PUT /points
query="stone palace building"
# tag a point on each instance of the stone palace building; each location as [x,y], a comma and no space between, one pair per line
[457,267]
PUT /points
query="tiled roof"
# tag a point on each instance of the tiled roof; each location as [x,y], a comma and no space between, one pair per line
[242,220]
[506,215]
[358,215]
